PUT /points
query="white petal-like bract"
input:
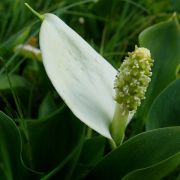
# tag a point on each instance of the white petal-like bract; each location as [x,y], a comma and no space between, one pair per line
[82,77]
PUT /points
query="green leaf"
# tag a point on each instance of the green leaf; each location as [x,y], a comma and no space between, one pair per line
[15,80]
[47,106]
[157,171]
[142,151]
[92,152]
[52,139]
[165,111]
[94,147]
[163,40]
[11,165]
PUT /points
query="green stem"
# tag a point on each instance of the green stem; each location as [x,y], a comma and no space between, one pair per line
[112,144]
[40,16]
[118,125]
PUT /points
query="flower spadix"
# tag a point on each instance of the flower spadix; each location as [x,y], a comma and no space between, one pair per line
[82,77]
[130,84]
[133,78]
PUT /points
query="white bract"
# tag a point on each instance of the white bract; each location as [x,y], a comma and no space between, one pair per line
[99,96]
[82,77]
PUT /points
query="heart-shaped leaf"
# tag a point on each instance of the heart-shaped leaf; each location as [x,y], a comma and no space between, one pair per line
[165,111]
[92,152]
[52,139]
[157,171]
[142,151]
[163,40]
[95,148]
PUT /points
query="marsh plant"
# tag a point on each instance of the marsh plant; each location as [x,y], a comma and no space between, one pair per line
[112,123]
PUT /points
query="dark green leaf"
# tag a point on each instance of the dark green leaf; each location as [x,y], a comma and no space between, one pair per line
[163,40]
[91,153]
[157,171]
[52,139]
[94,147]
[142,151]
[165,111]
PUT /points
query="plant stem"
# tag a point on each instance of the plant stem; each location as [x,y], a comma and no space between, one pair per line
[118,125]
[112,144]
[40,16]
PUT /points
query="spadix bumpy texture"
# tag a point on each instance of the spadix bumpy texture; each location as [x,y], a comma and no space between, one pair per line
[133,78]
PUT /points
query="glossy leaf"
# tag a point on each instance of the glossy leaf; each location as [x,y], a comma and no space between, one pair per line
[52,139]
[92,152]
[157,171]
[142,151]
[163,40]
[165,111]
[95,148]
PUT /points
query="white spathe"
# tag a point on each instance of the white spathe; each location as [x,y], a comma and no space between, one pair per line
[82,77]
